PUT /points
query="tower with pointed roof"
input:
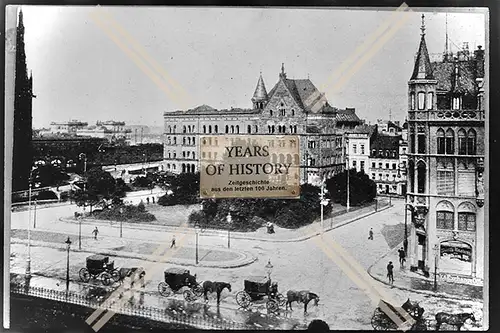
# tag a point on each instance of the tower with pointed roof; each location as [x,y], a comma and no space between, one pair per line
[445,195]
[259,98]
[22,155]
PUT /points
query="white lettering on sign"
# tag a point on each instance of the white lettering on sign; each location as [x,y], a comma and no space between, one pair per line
[254,166]
[461,279]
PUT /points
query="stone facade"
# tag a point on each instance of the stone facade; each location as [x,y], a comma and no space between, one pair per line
[293,107]
[446,164]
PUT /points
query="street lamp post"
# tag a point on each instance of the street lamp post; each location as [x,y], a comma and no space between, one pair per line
[229,220]
[436,253]
[197,230]
[34,217]
[121,222]
[269,269]
[28,259]
[68,244]
[323,202]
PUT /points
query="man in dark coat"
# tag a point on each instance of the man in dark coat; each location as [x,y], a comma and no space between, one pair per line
[390,274]
[402,256]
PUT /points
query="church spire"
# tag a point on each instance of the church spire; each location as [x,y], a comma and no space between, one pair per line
[260,95]
[422,69]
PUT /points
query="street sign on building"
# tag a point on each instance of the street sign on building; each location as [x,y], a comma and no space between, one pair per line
[253,166]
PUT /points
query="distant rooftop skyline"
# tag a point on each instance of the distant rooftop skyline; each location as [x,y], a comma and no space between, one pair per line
[217,54]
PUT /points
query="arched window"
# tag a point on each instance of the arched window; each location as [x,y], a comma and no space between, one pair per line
[421,177]
[444,215]
[421,100]
[175,140]
[272,129]
[467,217]
[184,141]
[270,113]
[237,128]
[227,129]
[471,142]
[249,129]
[232,128]
[194,156]
[293,112]
[269,128]
[462,142]
[194,140]
[256,129]
[169,129]
[204,129]
[216,129]
[183,129]
[440,141]
[183,167]
[175,128]
[450,140]
[209,128]
[412,101]
[430,100]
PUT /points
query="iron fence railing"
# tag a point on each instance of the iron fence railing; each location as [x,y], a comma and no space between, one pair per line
[152,313]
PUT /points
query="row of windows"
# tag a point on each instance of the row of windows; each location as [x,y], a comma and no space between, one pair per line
[354,149]
[236,129]
[185,154]
[282,111]
[426,101]
[385,153]
[380,176]
[387,165]
[281,129]
[446,142]
[445,216]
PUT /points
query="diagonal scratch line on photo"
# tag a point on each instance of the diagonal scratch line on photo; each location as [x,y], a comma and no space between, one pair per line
[139,48]
[358,275]
[150,269]
[367,42]
[137,60]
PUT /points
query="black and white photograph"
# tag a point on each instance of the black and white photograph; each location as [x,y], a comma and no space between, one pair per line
[246,168]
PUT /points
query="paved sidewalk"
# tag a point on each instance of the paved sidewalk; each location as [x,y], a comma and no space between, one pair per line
[129,248]
[407,280]
[280,235]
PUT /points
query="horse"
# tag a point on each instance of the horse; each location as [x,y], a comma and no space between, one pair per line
[135,274]
[413,309]
[218,287]
[457,320]
[303,296]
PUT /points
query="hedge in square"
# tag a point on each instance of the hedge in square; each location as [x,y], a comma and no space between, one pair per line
[253,166]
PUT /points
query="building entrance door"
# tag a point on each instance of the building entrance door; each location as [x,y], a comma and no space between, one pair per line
[421,251]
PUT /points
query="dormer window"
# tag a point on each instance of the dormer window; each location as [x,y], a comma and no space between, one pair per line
[282,112]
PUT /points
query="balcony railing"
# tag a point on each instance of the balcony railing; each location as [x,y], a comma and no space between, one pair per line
[447,115]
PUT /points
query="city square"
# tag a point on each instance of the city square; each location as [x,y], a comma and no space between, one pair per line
[290,213]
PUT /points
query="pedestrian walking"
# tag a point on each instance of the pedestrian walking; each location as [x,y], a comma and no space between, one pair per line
[402,256]
[390,274]
[370,234]
[95,232]
[173,242]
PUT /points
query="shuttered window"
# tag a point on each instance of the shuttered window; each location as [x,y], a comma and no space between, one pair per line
[445,182]
[444,220]
[466,183]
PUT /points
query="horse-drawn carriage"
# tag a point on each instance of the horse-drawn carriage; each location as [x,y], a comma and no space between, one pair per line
[99,266]
[409,314]
[257,288]
[178,278]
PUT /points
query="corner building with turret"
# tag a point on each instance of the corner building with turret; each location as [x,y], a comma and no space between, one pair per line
[292,107]
[445,197]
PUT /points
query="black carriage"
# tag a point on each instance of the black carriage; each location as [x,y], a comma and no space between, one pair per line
[178,278]
[409,313]
[99,266]
[256,288]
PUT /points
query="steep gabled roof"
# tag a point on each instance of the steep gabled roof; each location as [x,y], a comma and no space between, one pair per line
[466,83]
[304,93]
[422,68]
[347,115]
[260,93]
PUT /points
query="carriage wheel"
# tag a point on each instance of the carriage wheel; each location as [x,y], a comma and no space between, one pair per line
[189,295]
[198,290]
[84,275]
[272,306]
[281,299]
[243,299]
[379,321]
[106,278]
[115,275]
[164,289]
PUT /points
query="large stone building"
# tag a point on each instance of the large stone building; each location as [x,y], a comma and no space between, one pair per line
[23,118]
[293,106]
[446,163]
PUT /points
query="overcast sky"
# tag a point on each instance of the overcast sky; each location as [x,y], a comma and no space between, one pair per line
[215,55]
